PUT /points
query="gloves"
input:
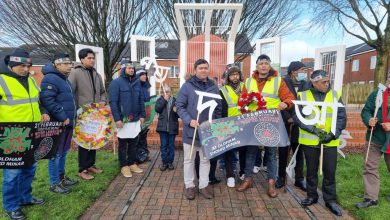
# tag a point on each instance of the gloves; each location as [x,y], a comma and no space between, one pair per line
[318,132]
[328,138]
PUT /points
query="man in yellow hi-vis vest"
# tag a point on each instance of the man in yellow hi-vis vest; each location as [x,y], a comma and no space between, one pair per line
[278,96]
[312,136]
[19,96]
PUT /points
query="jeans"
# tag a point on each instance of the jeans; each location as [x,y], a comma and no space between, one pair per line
[56,166]
[17,187]
[167,147]
[251,152]
[127,150]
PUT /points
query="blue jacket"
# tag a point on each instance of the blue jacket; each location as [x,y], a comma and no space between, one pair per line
[187,102]
[126,99]
[56,95]
[145,90]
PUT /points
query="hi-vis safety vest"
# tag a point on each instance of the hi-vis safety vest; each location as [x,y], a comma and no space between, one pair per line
[232,99]
[16,104]
[311,139]
[269,92]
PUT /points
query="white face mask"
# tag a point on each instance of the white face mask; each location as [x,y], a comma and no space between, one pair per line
[302,76]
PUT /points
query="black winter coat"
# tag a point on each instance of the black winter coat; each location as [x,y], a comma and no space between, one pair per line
[167,124]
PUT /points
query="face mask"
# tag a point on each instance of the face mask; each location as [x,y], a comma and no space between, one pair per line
[302,76]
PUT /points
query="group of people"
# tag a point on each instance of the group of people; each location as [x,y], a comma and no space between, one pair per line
[65,88]
[278,93]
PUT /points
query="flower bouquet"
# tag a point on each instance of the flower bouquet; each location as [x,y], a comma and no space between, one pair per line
[248,98]
[93,128]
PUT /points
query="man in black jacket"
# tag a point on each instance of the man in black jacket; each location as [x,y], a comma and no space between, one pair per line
[294,81]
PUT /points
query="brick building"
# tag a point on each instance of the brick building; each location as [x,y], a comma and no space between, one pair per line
[360,63]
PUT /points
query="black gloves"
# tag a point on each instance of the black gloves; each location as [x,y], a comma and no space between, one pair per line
[318,132]
[328,138]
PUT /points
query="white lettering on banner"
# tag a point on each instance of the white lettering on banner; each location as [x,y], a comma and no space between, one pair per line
[310,107]
[212,103]
[90,127]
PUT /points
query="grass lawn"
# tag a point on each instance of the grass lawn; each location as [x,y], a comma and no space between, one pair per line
[350,188]
[74,204]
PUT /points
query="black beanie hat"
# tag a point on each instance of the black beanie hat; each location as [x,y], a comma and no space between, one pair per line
[18,57]
[294,66]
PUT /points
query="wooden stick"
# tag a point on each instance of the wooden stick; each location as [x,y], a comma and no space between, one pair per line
[114,142]
[369,144]
[193,138]
[321,158]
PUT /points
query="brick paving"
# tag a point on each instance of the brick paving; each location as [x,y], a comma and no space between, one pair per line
[161,197]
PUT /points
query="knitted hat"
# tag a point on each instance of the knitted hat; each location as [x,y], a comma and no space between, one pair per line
[263,57]
[18,57]
[294,66]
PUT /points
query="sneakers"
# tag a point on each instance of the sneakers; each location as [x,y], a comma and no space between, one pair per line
[231,182]
[367,203]
[85,175]
[163,167]
[126,172]
[58,188]
[135,169]
[34,201]
[16,215]
[189,193]
[66,182]
[170,166]
[256,169]
[95,170]
[242,177]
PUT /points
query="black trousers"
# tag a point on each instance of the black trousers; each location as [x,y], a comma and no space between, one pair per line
[312,155]
[127,151]
[283,157]
[228,157]
[213,166]
[86,158]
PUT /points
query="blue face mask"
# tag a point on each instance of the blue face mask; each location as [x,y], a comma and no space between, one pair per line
[302,76]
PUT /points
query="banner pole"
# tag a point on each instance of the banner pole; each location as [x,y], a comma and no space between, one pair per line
[321,158]
[193,138]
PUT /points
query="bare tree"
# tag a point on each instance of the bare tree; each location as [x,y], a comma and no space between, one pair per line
[367,20]
[259,19]
[52,25]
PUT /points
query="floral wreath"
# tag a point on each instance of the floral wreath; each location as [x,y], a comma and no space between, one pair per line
[247,99]
[93,128]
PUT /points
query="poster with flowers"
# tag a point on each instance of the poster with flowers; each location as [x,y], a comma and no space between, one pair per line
[93,128]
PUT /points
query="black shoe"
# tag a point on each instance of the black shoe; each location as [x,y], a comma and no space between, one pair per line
[301,184]
[16,215]
[163,167]
[34,201]
[280,183]
[309,201]
[59,189]
[334,208]
[366,203]
[170,166]
[214,181]
[66,182]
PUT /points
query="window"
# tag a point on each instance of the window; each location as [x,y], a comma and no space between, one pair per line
[355,66]
[174,73]
[373,62]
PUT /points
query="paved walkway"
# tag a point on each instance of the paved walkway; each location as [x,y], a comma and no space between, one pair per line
[159,195]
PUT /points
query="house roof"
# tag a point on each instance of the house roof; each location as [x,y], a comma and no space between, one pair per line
[360,48]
